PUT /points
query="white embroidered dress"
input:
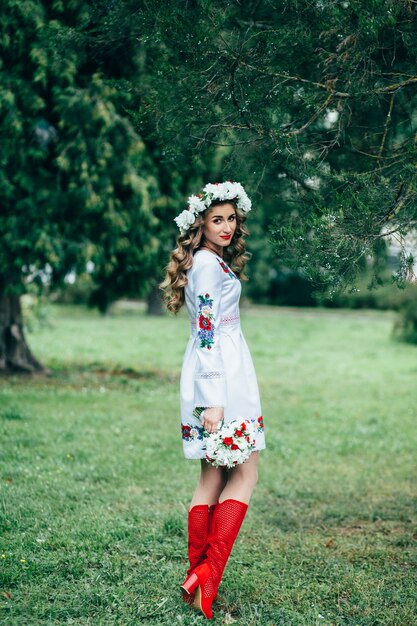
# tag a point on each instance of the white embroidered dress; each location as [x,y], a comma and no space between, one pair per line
[217,368]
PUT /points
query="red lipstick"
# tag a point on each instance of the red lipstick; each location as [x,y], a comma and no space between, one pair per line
[225,236]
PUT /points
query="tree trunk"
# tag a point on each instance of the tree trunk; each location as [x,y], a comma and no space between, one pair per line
[15,355]
[155,302]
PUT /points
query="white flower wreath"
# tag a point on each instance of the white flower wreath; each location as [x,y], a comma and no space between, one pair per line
[228,190]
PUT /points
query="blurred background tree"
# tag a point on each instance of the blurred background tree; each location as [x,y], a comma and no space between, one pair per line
[76,183]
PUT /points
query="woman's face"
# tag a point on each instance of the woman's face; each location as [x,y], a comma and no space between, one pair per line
[220,225]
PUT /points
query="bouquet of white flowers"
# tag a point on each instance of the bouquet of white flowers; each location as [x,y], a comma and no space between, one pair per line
[231,444]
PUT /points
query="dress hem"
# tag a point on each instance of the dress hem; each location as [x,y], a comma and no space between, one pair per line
[197,458]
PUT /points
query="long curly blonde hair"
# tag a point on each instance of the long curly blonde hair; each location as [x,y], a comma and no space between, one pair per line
[181,259]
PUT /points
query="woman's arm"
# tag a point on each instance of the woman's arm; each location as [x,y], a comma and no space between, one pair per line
[209,381]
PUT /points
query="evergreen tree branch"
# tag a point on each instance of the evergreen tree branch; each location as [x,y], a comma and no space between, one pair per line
[386,124]
[313,118]
[287,78]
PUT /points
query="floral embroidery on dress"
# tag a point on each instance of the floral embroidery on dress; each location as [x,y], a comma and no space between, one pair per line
[226,269]
[190,432]
[206,326]
[260,424]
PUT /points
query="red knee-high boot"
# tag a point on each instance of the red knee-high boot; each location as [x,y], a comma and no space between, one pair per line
[205,578]
[199,519]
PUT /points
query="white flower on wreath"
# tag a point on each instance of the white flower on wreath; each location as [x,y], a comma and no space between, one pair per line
[196,204]
[228,191]
[184,220]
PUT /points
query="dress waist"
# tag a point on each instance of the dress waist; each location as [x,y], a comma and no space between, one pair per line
[227,323]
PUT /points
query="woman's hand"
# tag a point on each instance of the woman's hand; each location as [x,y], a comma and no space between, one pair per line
[211,418]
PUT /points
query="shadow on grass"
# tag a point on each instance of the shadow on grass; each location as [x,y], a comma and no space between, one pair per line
[80,374]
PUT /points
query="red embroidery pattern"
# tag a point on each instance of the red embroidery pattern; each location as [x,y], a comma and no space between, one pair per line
[226,269]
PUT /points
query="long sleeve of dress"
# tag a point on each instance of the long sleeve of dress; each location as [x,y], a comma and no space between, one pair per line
[209,381]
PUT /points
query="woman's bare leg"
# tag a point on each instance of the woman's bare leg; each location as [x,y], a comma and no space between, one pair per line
[241,480]
[210,485]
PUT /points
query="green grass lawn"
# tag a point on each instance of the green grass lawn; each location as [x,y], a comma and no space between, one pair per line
[95,488]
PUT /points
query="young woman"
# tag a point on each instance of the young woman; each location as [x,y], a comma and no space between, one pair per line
[218,380]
